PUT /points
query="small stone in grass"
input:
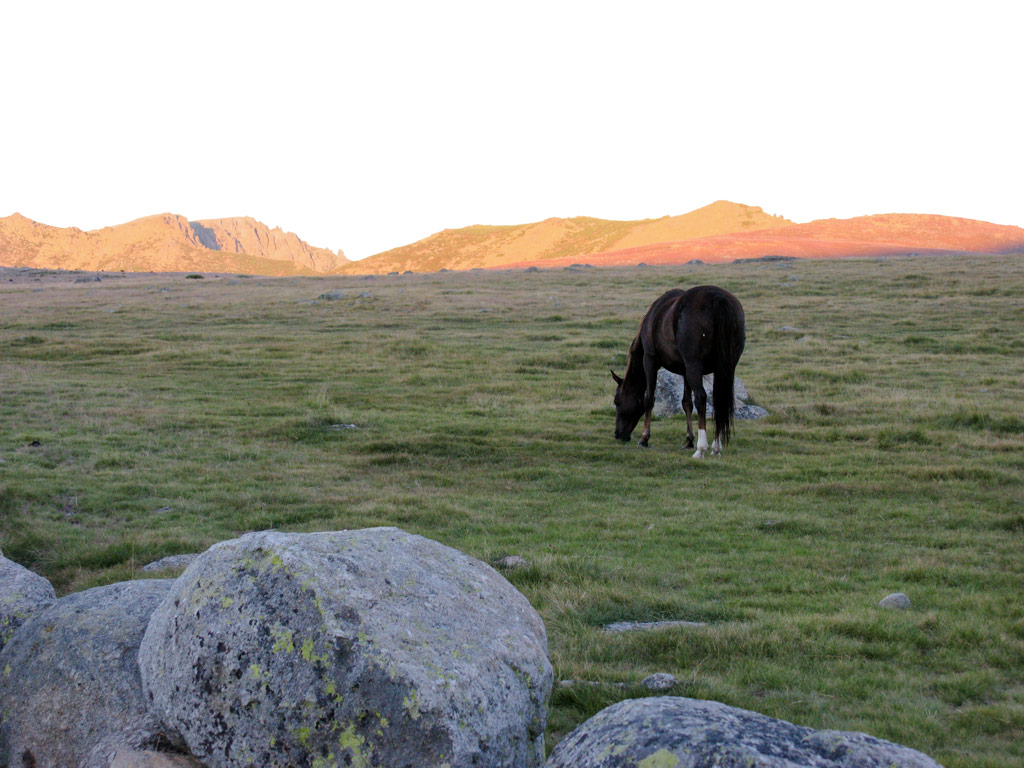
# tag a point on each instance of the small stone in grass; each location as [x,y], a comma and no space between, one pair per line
[659,681]
[896,600]
[513,561]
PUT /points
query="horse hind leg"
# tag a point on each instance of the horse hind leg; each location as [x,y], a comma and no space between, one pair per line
[702,439]
[700,398]
[716,446]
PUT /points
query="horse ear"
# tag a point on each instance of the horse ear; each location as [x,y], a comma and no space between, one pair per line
[617,379]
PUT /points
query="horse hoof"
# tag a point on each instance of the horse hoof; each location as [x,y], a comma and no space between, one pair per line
[644,444]
[688,443]
[698,454]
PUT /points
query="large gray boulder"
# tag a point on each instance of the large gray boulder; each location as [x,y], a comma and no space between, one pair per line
[22,593]
[675,732]
[668,397]
[364,648]
[70,691]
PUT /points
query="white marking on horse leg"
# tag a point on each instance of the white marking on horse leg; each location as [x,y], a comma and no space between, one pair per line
[702,444]
[716,447]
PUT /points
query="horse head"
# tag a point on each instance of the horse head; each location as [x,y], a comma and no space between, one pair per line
[629,407]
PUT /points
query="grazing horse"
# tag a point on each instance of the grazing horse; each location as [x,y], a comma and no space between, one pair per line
[690,333]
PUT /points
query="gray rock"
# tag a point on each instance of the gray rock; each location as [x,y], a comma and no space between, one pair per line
[22,593]
[750,412]
[634,626]
[659,681]
[371,647]
[70,691]
[675,732]
[511,562]
[331,296]
[739,389]
[896,600]
[170,563]
[668,397]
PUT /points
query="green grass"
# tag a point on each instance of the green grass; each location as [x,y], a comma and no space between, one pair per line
[893,460]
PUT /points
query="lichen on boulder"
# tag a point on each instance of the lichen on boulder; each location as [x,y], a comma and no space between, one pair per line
[676,732]
[362,648]
[70,691]
[22,593]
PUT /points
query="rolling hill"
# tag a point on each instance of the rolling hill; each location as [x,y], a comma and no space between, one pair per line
[496,246]
[879,235]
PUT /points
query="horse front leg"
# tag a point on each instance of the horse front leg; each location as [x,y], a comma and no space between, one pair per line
[651,372]
[645,436]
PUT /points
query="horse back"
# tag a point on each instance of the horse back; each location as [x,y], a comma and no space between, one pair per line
[702,325]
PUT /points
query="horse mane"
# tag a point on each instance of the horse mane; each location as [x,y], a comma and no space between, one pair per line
[634,373]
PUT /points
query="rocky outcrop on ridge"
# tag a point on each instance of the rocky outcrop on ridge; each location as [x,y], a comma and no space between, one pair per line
[163,243]
[253,238]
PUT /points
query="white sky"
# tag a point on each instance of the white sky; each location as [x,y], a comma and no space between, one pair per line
[370,124]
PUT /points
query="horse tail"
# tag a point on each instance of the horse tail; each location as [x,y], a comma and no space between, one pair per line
[724,401]
[731,332]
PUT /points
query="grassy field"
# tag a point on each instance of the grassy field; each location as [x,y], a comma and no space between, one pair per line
[152,415]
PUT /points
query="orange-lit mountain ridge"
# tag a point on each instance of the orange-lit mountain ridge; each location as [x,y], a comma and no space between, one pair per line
[164,243]
[722,231]
[879,235]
